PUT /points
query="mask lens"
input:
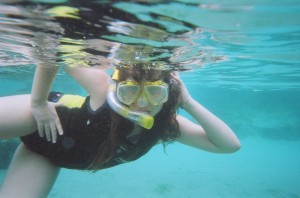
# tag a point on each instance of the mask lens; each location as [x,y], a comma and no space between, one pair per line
[157,94]
[127,94]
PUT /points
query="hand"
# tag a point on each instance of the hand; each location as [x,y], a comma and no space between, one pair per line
[48,122]
[184,93]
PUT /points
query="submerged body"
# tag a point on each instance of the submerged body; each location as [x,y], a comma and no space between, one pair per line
[92,135]
[84,130]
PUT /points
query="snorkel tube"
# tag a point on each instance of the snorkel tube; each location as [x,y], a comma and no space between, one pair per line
[143,119]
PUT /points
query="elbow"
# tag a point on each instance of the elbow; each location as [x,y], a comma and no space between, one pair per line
[233,147]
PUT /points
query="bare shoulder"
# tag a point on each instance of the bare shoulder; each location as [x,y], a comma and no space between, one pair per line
[94,81]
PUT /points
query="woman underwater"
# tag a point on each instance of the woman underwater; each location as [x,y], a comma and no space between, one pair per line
[122,119]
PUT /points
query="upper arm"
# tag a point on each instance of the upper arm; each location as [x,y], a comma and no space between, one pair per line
[94,81]
[194,135]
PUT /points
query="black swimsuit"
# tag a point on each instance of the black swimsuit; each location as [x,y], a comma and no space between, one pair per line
[85,131]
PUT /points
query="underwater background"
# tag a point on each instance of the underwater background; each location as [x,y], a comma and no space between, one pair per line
[240,59]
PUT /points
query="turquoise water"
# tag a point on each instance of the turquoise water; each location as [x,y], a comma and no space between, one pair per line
[243,58]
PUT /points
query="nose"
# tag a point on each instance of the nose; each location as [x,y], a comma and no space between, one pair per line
[142,101]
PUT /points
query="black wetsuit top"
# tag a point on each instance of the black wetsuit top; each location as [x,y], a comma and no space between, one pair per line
[85,131]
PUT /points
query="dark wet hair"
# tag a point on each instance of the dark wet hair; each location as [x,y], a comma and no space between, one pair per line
[139,74]
[166,127]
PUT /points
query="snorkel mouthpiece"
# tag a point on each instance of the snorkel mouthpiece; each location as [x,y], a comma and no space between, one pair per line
[143,119]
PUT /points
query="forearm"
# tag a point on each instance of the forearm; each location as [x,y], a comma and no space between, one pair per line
[218,132]
[43,78]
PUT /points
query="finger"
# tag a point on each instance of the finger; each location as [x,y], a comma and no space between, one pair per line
[47,131]
[177,77]
[178,80]
[59,127]
[53,132]
[40,128]
[174,77]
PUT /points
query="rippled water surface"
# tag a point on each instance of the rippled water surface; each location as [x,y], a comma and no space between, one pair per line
[240,59]
[236,44]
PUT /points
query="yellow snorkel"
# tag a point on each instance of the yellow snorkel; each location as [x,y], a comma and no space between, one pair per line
[143,119]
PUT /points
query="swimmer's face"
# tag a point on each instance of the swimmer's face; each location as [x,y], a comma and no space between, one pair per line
[145,96]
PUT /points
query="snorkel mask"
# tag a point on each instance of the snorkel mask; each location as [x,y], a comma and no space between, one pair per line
[141,118]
